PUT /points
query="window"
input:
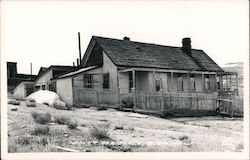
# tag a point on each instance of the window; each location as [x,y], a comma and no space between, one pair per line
[37,88]
[207,82]
[179,82]
[130,80]
[88,81]
[43,87]
[192,82]
[50,87]
[158,85]
[106,80]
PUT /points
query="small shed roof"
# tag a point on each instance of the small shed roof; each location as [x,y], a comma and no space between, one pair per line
[70,74]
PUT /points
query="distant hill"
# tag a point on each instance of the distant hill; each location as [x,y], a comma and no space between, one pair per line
[238,68]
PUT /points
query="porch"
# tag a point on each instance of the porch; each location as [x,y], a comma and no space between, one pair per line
[180,91]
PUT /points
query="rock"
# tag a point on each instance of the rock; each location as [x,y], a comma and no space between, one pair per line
[66,135]
[14,109]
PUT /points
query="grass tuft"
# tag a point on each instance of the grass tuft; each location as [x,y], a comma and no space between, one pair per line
[72,124]
[62,119]
[30,104]
[14,102]
[100,132]
[40,130]
[41,118]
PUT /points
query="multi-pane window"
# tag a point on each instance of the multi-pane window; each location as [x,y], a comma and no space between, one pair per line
[130,80]
[158,85]
[192,82]
[106,80]
[207,82]
[179,82]
[88,81]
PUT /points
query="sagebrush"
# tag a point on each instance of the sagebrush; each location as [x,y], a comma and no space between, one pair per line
[41,118]
[61,119]
[100,132]
[72,124]
[41,130]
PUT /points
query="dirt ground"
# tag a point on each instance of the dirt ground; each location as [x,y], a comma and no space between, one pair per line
[139,133]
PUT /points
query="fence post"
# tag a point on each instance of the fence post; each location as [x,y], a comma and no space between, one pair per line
[134,97]
[162,102]
[97,97]
[118,94]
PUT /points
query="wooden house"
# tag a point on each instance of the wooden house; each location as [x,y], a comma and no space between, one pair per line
[23,89]
[14,78]
[157,78]
[43,82]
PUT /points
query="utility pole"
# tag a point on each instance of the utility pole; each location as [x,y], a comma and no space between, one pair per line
[80,54]
[31,68]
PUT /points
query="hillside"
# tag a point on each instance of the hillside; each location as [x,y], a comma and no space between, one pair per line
[238,68]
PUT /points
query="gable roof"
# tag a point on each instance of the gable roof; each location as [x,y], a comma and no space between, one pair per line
[64,70]
[137,54]
[41,70]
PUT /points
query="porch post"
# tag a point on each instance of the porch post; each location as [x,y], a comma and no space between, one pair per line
[133,77]
[203,82]
[172,80]
[216,84]
[230,80]
[154,83]
[236,76]
[227,81]
[188,75]
[133,89]
[221,82]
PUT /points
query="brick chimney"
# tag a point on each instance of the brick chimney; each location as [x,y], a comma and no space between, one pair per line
[186,45]
[126,38]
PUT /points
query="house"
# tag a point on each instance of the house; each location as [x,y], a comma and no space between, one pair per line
[157,78]
[23,89]
[46,74]
[14,78]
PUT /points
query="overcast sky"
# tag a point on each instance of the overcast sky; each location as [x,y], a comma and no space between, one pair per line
[45,32]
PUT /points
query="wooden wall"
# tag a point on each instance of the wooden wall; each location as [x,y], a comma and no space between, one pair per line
[64,90]
[23,90]
[142,81]
[97,94]
[124,82]
[44,79]
[19,91]
[109,67]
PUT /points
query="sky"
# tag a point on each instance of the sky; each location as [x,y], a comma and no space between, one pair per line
[45,32]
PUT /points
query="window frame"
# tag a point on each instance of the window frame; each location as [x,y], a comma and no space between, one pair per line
[158,86]
[88,81]
[106,81]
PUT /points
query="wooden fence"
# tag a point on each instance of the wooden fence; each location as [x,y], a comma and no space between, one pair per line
[177,103]
[83,96]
